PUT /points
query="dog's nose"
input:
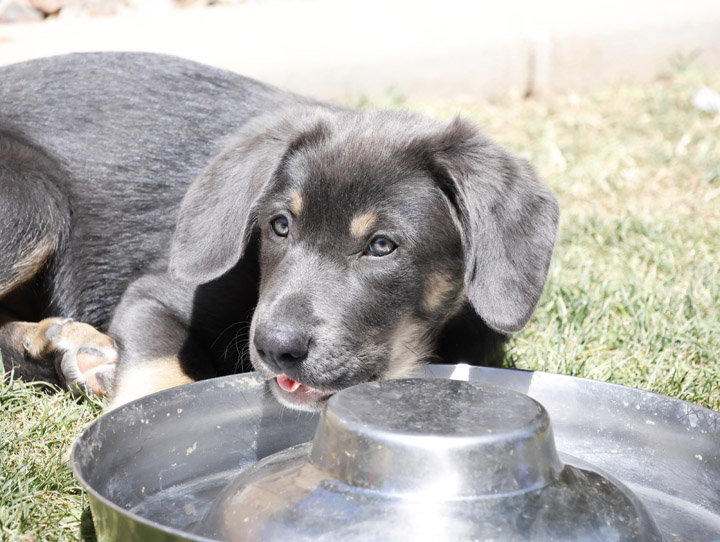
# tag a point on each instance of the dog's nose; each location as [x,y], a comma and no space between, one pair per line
[281,348]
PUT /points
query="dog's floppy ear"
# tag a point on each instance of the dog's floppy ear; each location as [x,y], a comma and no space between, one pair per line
[508,221]
[220,208]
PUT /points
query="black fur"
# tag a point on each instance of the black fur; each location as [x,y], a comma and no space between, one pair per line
[125,134]
[160,179]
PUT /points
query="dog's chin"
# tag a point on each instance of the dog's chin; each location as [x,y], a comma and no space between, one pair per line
[298,396]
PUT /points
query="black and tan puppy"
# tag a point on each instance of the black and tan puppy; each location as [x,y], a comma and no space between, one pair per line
[194,220]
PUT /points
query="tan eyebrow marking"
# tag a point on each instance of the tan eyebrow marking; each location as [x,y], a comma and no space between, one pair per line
[296,203]
[361,224]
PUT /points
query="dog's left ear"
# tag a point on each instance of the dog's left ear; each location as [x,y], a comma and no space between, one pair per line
[508,221]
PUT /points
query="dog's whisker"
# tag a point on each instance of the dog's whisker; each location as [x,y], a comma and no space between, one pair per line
[228,328]
[244,355]
[238,341]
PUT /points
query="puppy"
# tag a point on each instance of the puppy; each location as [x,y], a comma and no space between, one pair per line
[164,221]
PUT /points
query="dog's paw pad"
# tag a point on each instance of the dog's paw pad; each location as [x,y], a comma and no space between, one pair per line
[99,380]
[90,357]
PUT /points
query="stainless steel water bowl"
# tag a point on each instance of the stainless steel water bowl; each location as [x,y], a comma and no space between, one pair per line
[431,459]
[423,459]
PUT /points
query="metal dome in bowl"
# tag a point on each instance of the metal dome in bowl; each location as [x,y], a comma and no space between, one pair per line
[428,459]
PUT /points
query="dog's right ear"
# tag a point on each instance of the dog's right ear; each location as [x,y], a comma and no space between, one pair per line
[220,208]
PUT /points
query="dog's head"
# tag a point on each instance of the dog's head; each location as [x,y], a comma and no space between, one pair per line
[375,227]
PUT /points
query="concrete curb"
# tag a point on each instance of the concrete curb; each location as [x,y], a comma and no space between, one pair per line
[424,49]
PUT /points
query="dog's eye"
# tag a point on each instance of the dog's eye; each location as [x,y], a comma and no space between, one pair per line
[281,226]
[381,246]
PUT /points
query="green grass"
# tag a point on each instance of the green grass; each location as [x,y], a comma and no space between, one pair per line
[632,295]
[39,498]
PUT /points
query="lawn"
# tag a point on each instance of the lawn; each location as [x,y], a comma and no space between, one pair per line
[633,291]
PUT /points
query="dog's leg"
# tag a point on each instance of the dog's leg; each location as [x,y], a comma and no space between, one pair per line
[151,376]
[34,212]
[60,351]
[157,349]
[34,224]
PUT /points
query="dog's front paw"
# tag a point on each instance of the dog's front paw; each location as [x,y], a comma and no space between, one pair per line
[83,356]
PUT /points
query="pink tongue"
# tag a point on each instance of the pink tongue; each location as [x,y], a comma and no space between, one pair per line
[287,383]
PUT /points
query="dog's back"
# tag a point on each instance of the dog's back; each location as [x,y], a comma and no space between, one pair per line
[122,135]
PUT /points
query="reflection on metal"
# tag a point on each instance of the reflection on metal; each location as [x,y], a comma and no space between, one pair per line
[427,460]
